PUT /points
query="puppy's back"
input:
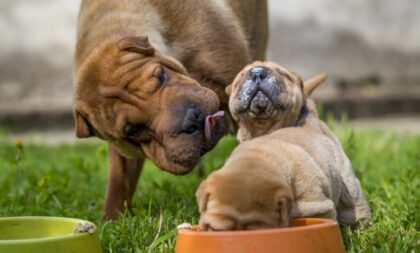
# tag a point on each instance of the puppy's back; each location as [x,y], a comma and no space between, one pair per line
[301,153]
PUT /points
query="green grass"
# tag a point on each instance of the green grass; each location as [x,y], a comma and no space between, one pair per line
[70,180]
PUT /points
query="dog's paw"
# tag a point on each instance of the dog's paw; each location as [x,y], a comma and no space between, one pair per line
[85,228]
[184,226]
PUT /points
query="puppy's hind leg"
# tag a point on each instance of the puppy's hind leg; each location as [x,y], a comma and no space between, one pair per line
[352,207]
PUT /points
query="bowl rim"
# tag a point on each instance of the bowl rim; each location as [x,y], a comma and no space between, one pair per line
[322,223]
[68,236]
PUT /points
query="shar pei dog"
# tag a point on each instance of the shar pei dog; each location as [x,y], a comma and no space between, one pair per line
[150,78]
[289,163]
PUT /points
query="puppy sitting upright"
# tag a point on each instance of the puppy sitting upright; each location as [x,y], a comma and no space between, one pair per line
[267,97]
[295,168]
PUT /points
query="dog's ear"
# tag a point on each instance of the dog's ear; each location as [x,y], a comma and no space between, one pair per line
[311,84]
[83,128]
[228,89]
[139,44]
[285,203]
[202,196]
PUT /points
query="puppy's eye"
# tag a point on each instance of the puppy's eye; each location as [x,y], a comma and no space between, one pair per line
[132,129]
[162,76]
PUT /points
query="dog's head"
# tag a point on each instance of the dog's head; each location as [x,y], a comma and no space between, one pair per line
[145,104]
[243,201]
[264,93]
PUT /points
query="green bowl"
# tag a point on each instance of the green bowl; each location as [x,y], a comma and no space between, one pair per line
[46,235]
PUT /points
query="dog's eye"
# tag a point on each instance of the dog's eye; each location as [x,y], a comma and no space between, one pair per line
[162,76]
[132,129]
[137,133]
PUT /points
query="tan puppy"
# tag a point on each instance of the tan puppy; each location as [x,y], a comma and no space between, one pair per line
[267,97]
[150,76]
[297,169]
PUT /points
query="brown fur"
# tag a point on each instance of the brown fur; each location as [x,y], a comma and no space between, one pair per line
[122,46]
[245,194]
[297,158]
[290,101]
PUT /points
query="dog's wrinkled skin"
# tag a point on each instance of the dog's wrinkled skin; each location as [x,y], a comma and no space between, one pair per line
[141,103]
[299,164]
[245,194]
[148,74]
[266,97]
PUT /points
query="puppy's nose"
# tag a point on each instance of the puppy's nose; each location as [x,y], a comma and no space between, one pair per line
[258,73]
[193,121]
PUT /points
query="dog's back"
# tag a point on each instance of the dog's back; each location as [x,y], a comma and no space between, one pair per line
[302,160]
[212,39]
[320,143]
[275,113]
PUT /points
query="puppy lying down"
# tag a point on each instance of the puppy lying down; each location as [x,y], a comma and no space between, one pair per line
[289,164]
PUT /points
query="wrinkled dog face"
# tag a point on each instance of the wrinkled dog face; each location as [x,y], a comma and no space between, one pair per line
[265,92]
[145,104]
[226,204]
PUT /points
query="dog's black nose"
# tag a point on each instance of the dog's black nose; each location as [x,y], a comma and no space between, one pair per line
[258,73]
[193,121]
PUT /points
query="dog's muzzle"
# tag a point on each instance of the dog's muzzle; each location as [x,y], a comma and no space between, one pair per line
[258,93]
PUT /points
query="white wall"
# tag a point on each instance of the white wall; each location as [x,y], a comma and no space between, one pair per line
[37,38]
[348,39]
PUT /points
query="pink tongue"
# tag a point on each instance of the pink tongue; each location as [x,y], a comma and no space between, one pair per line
[210,122]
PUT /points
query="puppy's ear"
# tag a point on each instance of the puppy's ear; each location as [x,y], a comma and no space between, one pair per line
[228,89]
[83,129]
[285,204]
[311,84]
[139,44]
[202,196]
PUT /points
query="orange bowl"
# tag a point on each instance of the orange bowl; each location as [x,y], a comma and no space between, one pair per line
[304,235]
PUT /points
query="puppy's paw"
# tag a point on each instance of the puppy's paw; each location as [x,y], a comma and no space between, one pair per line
[184,226]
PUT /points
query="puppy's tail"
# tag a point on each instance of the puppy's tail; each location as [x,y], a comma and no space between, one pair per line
[310,85]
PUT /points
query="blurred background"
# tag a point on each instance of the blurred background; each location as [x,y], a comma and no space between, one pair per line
[370,50]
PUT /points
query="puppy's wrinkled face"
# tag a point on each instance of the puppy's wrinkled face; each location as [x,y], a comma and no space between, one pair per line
[145,104]
[265,93]
[227,204]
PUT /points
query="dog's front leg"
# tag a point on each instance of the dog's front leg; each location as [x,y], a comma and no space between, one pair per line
[122,181]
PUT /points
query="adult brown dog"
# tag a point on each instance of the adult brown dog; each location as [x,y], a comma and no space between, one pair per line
[295,168]
[149,72]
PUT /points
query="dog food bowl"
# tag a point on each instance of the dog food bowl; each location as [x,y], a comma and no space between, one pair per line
[47,235]
[303,236]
